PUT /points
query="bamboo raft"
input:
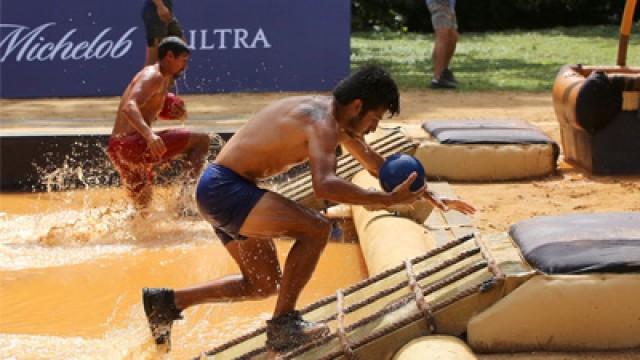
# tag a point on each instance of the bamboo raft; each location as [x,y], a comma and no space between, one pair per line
[434,293]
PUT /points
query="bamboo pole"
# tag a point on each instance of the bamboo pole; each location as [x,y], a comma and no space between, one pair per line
[625,31]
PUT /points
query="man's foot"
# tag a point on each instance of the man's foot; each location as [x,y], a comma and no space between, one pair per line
[161,311]
[289,331]
[445,81]
[442,84]
[447,74]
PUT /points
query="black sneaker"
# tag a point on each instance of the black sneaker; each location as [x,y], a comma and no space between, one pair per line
[289,331]
[447,74]
[446,81]
[443,84]
[161,311]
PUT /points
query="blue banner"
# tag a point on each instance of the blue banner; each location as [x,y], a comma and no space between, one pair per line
[94,47]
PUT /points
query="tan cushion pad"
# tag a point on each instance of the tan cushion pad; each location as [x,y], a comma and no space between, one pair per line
[562,313]
[485,162]
[484,150]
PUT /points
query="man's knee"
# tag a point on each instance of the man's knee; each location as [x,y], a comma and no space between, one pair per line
[198,146]
[328,232]
[444,33]
[265,288]
[318,234]
[203,137]
[201,141]
[453,35]
[447,37]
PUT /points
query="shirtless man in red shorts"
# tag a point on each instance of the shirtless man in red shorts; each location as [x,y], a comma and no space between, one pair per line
[134,148]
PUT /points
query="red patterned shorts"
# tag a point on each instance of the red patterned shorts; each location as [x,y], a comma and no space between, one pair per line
[134,162]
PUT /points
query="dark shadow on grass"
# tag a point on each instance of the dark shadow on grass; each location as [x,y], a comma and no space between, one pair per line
[603,32]
[475,73]
[599,32]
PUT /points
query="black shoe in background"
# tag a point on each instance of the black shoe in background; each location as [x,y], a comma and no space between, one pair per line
[447,74]
[443,84]
[446,81]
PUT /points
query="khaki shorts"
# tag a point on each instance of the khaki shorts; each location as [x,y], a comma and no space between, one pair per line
[443,14]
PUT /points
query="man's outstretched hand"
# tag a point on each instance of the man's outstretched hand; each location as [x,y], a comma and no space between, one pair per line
[460,206]
[449,204]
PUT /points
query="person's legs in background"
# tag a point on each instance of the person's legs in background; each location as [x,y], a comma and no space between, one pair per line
[156,29]
[443,18]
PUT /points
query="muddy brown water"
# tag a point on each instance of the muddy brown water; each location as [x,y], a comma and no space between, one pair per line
[72,266]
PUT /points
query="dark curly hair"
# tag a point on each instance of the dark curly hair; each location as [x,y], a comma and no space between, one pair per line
[174,44]
[371,84]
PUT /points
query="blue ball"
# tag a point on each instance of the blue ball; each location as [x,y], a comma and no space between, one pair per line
[397,169]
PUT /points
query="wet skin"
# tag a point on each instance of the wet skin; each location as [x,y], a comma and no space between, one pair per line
[282,135]
[139,107]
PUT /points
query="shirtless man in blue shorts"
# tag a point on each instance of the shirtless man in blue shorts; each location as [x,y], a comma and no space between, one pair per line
[247,218]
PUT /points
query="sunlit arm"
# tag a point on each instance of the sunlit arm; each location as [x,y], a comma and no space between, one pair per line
[361,151]
[329,186]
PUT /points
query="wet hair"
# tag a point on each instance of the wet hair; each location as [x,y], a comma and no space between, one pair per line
[373,86]
[174,44]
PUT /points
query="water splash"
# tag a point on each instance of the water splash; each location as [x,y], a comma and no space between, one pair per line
[86,166]
[77,218]
[63,237]
[129,342]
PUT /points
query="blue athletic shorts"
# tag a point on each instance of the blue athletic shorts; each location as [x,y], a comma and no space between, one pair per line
[225,199]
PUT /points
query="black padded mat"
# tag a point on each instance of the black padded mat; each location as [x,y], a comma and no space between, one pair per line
[581,243]
[486,132]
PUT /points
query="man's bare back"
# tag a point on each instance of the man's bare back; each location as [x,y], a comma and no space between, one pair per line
[274,139]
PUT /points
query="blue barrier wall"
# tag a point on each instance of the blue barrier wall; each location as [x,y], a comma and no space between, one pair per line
[94,47]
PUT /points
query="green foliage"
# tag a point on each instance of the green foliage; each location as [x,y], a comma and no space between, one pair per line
[514,60]
[482,15]
[376,15]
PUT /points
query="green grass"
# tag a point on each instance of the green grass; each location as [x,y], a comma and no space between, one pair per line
[512,61]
